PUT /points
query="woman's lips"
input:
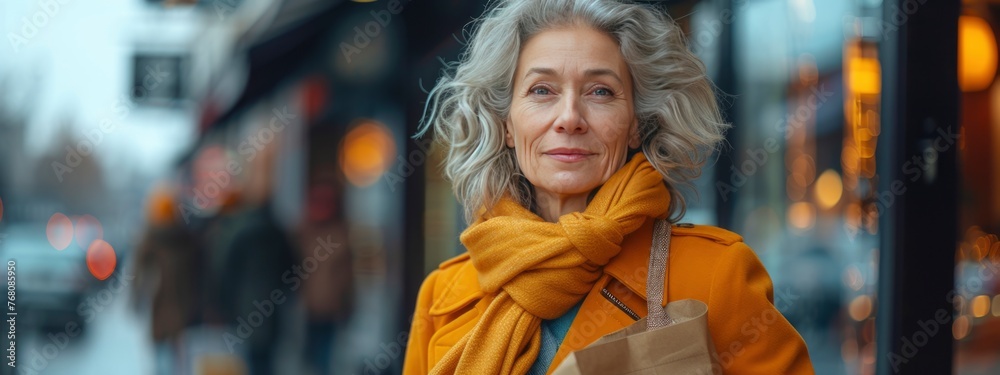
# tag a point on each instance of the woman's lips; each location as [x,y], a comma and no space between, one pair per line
[568,155]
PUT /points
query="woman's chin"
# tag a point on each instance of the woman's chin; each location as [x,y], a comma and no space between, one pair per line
[568,188]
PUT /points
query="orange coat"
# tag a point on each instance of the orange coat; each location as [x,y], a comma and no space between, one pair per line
[705,263]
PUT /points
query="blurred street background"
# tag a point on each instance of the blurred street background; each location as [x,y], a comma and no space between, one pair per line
[231,187]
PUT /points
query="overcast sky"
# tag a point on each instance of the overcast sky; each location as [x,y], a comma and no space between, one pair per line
[78,67]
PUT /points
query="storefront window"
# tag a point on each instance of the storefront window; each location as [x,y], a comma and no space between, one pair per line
[799,178]
[977,274]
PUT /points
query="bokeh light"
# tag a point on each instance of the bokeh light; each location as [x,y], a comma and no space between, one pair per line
[86,229]
[868,330]
[864,75]
[980,306]
[829,189]
[860,308]
[849,347]
[984,246]
[961,327]
[868,354]
[853,278]
[996,305]
[101,259]
[801,215]
[977,54]
[59,231]
[366,153]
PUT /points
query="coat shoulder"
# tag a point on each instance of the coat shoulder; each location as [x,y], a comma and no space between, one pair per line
[447,271]
[703,247]
[695,251]
[455,285]
[454,263]
[708,233]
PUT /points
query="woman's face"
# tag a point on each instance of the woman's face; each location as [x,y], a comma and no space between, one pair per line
[571,121]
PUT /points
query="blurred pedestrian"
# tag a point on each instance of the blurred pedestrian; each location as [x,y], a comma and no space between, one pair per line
[169,267]
[259,253]
[252,252]
[327,292]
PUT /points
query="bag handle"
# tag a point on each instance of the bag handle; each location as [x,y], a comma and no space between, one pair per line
[658,253]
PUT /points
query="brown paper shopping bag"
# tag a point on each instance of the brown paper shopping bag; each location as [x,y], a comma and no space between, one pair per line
[671,340]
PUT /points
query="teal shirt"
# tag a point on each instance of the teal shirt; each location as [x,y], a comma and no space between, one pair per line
[553,333]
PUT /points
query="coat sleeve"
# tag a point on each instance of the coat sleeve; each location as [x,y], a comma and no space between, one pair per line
[750,334]
[421,329]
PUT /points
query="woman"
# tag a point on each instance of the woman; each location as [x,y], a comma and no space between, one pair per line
[568,126]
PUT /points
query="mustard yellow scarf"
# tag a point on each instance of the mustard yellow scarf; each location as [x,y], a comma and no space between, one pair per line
[539,270]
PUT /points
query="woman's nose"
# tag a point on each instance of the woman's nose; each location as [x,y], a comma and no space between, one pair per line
[570,118]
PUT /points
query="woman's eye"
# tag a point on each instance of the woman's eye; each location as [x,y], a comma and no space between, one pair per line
[603,92]
[540,91]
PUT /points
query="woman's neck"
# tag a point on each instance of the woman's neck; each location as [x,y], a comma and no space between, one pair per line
[551,206]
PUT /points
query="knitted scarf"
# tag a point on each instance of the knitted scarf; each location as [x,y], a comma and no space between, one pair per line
[539,270]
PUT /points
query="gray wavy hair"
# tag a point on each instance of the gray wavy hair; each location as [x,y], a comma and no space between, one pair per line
[679,119]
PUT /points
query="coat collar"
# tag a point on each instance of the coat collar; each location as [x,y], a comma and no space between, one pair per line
[630,267]
[459,286]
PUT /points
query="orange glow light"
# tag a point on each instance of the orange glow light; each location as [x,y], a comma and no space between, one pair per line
[59,231]
[801,215]
[367,153]
[829,189]
[101,259]
[860,308]
[977,54]
[865,75]
[961,327]
[980,306]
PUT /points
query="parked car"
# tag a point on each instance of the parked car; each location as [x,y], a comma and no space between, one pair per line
[50,283]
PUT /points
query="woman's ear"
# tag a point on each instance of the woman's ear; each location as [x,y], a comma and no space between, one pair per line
[508,136]
[633,137]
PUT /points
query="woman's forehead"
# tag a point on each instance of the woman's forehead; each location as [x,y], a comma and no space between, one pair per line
[576,50]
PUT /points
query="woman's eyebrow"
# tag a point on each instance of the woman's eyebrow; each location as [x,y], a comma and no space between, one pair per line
[540,71]
[603,72]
